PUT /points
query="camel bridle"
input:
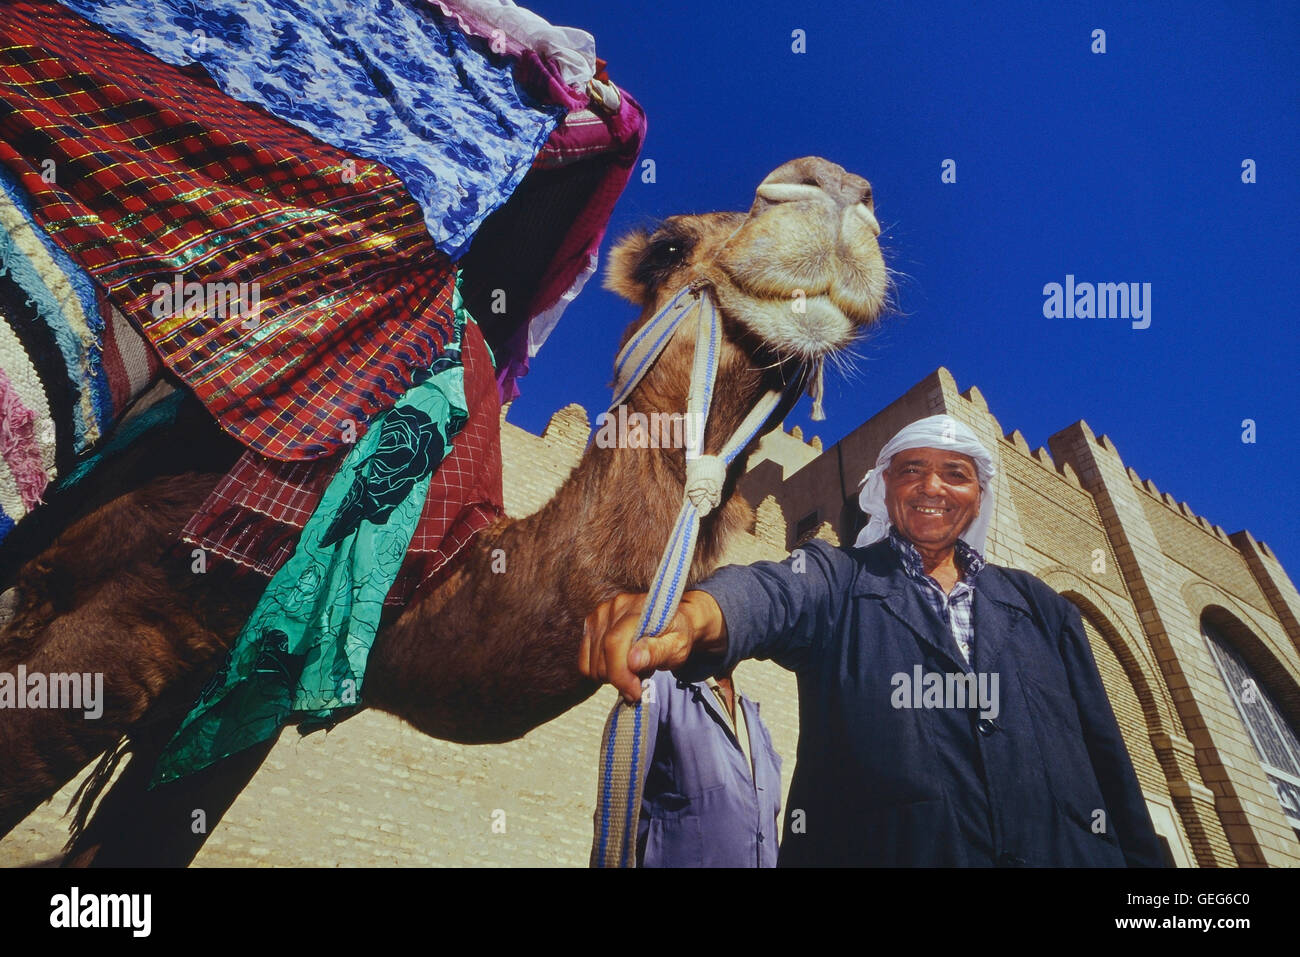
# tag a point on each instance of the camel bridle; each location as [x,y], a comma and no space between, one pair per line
[623,759]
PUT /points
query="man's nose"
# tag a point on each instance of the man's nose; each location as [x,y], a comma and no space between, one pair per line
[932,484]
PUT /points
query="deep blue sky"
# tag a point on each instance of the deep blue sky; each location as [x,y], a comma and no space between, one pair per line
[1117,167]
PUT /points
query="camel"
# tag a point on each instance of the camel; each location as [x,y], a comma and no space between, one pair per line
[481,657]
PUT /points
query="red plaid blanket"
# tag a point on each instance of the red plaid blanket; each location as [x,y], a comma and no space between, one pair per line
[257,513]
[149,176]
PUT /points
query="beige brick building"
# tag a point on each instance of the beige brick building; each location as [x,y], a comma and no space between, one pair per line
[1196,633]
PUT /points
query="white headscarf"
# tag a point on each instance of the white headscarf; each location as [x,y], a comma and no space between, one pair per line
[936,432]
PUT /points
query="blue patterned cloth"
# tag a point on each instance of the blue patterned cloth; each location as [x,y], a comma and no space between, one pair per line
[389,80]
[954,607]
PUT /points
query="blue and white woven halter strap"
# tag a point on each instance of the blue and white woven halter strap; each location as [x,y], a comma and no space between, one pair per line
[623,761]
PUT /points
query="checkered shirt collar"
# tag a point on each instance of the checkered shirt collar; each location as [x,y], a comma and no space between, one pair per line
[968,559]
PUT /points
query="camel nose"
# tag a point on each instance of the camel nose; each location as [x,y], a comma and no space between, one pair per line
[802,178]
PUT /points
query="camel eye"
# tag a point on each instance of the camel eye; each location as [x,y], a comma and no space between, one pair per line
[662,258]
[667,253]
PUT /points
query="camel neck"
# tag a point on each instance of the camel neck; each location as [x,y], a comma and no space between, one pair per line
[607,527]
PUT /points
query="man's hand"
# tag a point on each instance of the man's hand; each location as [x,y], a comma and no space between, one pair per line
[609,652]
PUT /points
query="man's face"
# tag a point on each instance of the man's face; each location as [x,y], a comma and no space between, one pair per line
[932,495]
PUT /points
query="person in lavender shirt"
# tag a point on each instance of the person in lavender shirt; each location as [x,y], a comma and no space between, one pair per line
[712,795]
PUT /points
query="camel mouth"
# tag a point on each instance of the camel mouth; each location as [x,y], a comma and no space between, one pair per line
[803,271]
[800,327]
[812,305]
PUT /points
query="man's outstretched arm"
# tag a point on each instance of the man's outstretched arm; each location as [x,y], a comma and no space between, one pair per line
[777,610]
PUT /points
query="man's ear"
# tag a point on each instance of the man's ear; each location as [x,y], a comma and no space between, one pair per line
[621,271]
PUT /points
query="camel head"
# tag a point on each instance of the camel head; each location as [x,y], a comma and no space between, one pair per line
[796,279]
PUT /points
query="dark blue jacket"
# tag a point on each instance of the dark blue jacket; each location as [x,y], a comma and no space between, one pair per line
[1046,782]
[701,807]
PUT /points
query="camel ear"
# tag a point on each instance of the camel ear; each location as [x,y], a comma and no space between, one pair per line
[624,265]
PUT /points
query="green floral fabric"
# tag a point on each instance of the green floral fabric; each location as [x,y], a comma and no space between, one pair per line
[303,652]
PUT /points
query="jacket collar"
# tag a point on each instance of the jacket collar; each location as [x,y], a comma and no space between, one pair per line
[714,706]
[998,607]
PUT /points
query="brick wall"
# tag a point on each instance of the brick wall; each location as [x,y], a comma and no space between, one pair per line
[1184,542]
[1060,524]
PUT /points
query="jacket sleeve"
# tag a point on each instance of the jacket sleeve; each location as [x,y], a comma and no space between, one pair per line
[1130,821]
[777,610]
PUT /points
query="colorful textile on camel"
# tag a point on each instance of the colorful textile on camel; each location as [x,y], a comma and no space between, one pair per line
[305,647]
[456,185]
[67,376]
[282,279]
[569,194]
[391,80]
[64,301]
[570,54]
[597,149]
[256,513]
[29,408]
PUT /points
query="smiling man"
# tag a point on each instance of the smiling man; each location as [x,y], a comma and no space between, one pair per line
[939,775]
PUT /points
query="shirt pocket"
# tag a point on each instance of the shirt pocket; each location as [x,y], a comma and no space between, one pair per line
[701,758]
[675,841]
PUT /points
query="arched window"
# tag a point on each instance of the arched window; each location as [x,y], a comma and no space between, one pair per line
[1275,740]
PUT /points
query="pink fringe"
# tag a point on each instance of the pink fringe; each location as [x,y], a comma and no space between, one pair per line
[18,445]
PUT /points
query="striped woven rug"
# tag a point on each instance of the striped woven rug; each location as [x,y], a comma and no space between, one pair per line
[67,373]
